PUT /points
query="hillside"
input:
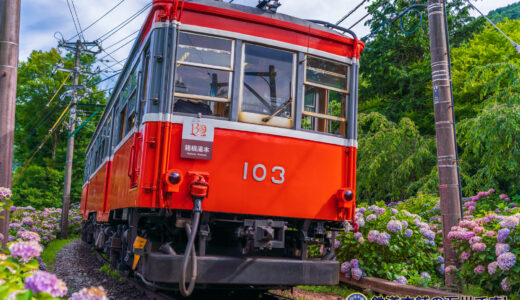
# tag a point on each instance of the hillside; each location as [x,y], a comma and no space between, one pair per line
[512,12]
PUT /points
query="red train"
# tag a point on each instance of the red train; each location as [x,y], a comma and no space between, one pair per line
[228,147]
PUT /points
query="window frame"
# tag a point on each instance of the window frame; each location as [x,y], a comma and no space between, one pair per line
[231,69]
[327,89]
[257,118]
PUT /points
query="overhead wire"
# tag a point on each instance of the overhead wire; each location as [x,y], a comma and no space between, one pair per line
[77,19]
[73,19]
[119,48]
[369,13]
[40,146]
[131,34]
[45,108]
[99,19]
[350,13]
[121,25]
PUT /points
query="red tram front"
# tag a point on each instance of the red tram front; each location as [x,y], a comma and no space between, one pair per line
[229,141]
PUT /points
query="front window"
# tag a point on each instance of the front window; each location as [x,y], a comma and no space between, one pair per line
[203,75]
[326,89]
[268,84]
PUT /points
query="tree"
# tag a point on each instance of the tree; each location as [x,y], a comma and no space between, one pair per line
[394,159]
[395,66]
[36,86]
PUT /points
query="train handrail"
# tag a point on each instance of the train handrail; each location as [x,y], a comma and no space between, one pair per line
[334,26]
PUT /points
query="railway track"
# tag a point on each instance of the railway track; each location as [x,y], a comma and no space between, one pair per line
[156,294]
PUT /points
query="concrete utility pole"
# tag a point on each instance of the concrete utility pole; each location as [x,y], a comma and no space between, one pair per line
[9,36]
[70,147]
[447,160]
[78,47]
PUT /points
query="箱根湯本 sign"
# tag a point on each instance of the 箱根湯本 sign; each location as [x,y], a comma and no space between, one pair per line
[197,138]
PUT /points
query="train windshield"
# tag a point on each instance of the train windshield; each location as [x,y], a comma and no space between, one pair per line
[267,85]
[203,75]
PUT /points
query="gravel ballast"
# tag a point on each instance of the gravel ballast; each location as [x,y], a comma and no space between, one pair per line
[78,267]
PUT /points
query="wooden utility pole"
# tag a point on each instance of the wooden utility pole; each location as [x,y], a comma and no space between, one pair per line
[70,147]
[9,36]
[447,158]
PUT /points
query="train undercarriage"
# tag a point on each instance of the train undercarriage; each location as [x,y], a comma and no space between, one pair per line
[230,250]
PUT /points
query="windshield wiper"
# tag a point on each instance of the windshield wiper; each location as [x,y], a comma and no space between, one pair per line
[278,111]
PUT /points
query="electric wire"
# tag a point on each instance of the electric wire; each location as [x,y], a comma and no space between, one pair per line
[44,108]
[99,19]
[40,146]
[119,48]
[121,25]
[131,34]
[369,13]
[350,13]
[103,80]
[517,46]
[77,19]
[73,19]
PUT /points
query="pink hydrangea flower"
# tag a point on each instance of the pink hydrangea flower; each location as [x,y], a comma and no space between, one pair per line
[465,255]
[492,268]
[25,251]
[91,293]
[479,269]
[478,247]
[394,226]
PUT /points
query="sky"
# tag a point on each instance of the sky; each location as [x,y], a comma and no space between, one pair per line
[43,21]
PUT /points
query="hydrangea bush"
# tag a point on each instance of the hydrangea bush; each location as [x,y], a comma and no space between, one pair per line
[44,223]
[405,244]
[21,276]
[488,242]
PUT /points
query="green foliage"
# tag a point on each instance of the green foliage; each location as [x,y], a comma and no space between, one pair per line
[392,160]
[512,12]
[112,273]
[40,187]
[36,86]
[395,67]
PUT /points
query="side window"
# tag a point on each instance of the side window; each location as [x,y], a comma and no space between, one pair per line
[325,102]
[268,85]
[203,75]
[131,86]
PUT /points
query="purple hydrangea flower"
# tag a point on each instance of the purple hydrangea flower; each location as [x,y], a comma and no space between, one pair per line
[337,244]
[345,268]
[394,211]
[372,235]
[28,221]
[356,273]
[408,233]
[383,238]
[492,268]
[428,234]
[354,263]
[27,235]
[465,255]
[426,275]
[401,280]
[380,210]
[91,293]
[41,281]
[25,251]
[5,193]
[357,235]
[475,239]
[509,222]
[501,249]
[371,217]
[479,269]
[502,235]
[440,259]
[394,226]
[478,247]
[506,261]
[404,224]
[361,210]
[506,287]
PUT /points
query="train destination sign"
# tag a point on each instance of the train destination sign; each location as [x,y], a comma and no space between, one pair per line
[197,138]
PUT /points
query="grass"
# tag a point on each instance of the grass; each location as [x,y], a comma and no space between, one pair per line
[49,253]
[340,290]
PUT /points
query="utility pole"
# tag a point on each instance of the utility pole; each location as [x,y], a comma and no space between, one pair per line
[70,147]
[9,37]
[447,158]
[78,47]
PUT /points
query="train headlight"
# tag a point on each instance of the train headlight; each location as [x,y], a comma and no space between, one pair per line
[348,195]
[174,177]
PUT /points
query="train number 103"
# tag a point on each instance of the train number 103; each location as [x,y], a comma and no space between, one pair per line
[260,172]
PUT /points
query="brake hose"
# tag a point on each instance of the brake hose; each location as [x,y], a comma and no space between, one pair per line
[190,251]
